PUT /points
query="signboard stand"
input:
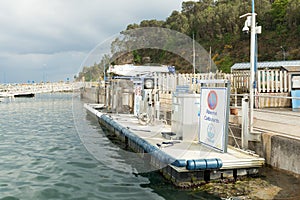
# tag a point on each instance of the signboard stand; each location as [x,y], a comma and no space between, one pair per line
[214,114]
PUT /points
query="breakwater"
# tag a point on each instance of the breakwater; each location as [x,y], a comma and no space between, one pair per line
[12,90]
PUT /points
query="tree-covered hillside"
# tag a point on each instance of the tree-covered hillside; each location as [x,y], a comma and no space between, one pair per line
[216,25]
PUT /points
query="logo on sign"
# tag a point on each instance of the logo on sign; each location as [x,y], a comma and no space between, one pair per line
[211,132]
[212,100]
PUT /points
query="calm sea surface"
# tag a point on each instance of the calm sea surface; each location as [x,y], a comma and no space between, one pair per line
[51,149]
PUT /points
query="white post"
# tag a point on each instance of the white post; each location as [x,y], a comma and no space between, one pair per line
[252,72]
[268,80]
[290,82]
[272,80]
[277,86]
[258,81]
[251,22]
[281,81]
[285,81]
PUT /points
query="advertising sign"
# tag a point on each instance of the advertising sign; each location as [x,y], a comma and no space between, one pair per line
[213,118]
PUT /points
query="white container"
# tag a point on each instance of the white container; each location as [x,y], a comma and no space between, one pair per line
[185,116]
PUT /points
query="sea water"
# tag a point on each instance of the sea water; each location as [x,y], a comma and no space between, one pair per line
[50,148]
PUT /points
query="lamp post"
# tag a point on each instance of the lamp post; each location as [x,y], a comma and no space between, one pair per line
[283,52]
[251,22]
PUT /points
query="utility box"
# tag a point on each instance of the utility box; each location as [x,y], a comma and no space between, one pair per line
[295,92]
[185,116]
[121,96]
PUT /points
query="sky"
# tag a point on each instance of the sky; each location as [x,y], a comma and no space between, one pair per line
[48,40]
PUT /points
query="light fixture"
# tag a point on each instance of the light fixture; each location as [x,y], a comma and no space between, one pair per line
[148,83]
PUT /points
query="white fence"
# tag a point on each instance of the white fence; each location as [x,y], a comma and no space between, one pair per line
[273,81]
[268,81]
[167,82]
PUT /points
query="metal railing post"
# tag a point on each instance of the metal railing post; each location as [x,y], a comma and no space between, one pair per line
[245,121]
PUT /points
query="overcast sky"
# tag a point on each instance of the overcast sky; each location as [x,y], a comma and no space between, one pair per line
[49,39]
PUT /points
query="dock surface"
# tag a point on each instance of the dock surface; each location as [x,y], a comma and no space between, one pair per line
[234,162]
[281,121]
[188,150]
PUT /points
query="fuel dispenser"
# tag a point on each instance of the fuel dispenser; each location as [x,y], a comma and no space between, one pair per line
[146,113]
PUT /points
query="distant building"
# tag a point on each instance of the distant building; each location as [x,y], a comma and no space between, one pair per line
[134,70]
[271,77]
[292,66]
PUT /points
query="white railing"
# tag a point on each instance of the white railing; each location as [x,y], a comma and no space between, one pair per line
[268,81]
[167,82]
[240,80]
[273,81]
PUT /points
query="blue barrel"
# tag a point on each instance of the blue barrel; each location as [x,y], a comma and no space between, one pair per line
[220,163]
[125,132]
[150,148]
[179,163]
[106,119]
[113,124]
[122,130]
[137,140]
[103,117]
[212,164]
[110,121]
[128,134]
[196,164]
[190,165]
[134,139]
[119,127]
[204,164]
[200,164]
[145,145]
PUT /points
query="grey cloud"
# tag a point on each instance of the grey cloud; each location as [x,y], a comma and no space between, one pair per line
[32,29]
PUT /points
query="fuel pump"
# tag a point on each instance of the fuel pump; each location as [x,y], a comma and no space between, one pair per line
[147,113]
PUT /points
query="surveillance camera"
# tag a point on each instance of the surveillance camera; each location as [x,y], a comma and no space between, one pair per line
[245,29]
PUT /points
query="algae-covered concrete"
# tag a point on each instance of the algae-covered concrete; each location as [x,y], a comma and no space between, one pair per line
[282,152]
[280,137]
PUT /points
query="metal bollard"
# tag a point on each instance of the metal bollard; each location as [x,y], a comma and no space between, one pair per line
[245,121]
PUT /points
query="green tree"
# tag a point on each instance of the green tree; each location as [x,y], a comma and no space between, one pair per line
[216,24]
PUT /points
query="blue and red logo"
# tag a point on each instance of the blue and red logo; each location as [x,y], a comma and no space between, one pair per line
[212,99]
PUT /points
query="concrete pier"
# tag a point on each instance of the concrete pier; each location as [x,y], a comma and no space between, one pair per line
[280,137]
[185,163]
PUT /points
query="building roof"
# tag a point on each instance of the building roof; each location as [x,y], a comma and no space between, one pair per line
[134,70]
[269,65]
